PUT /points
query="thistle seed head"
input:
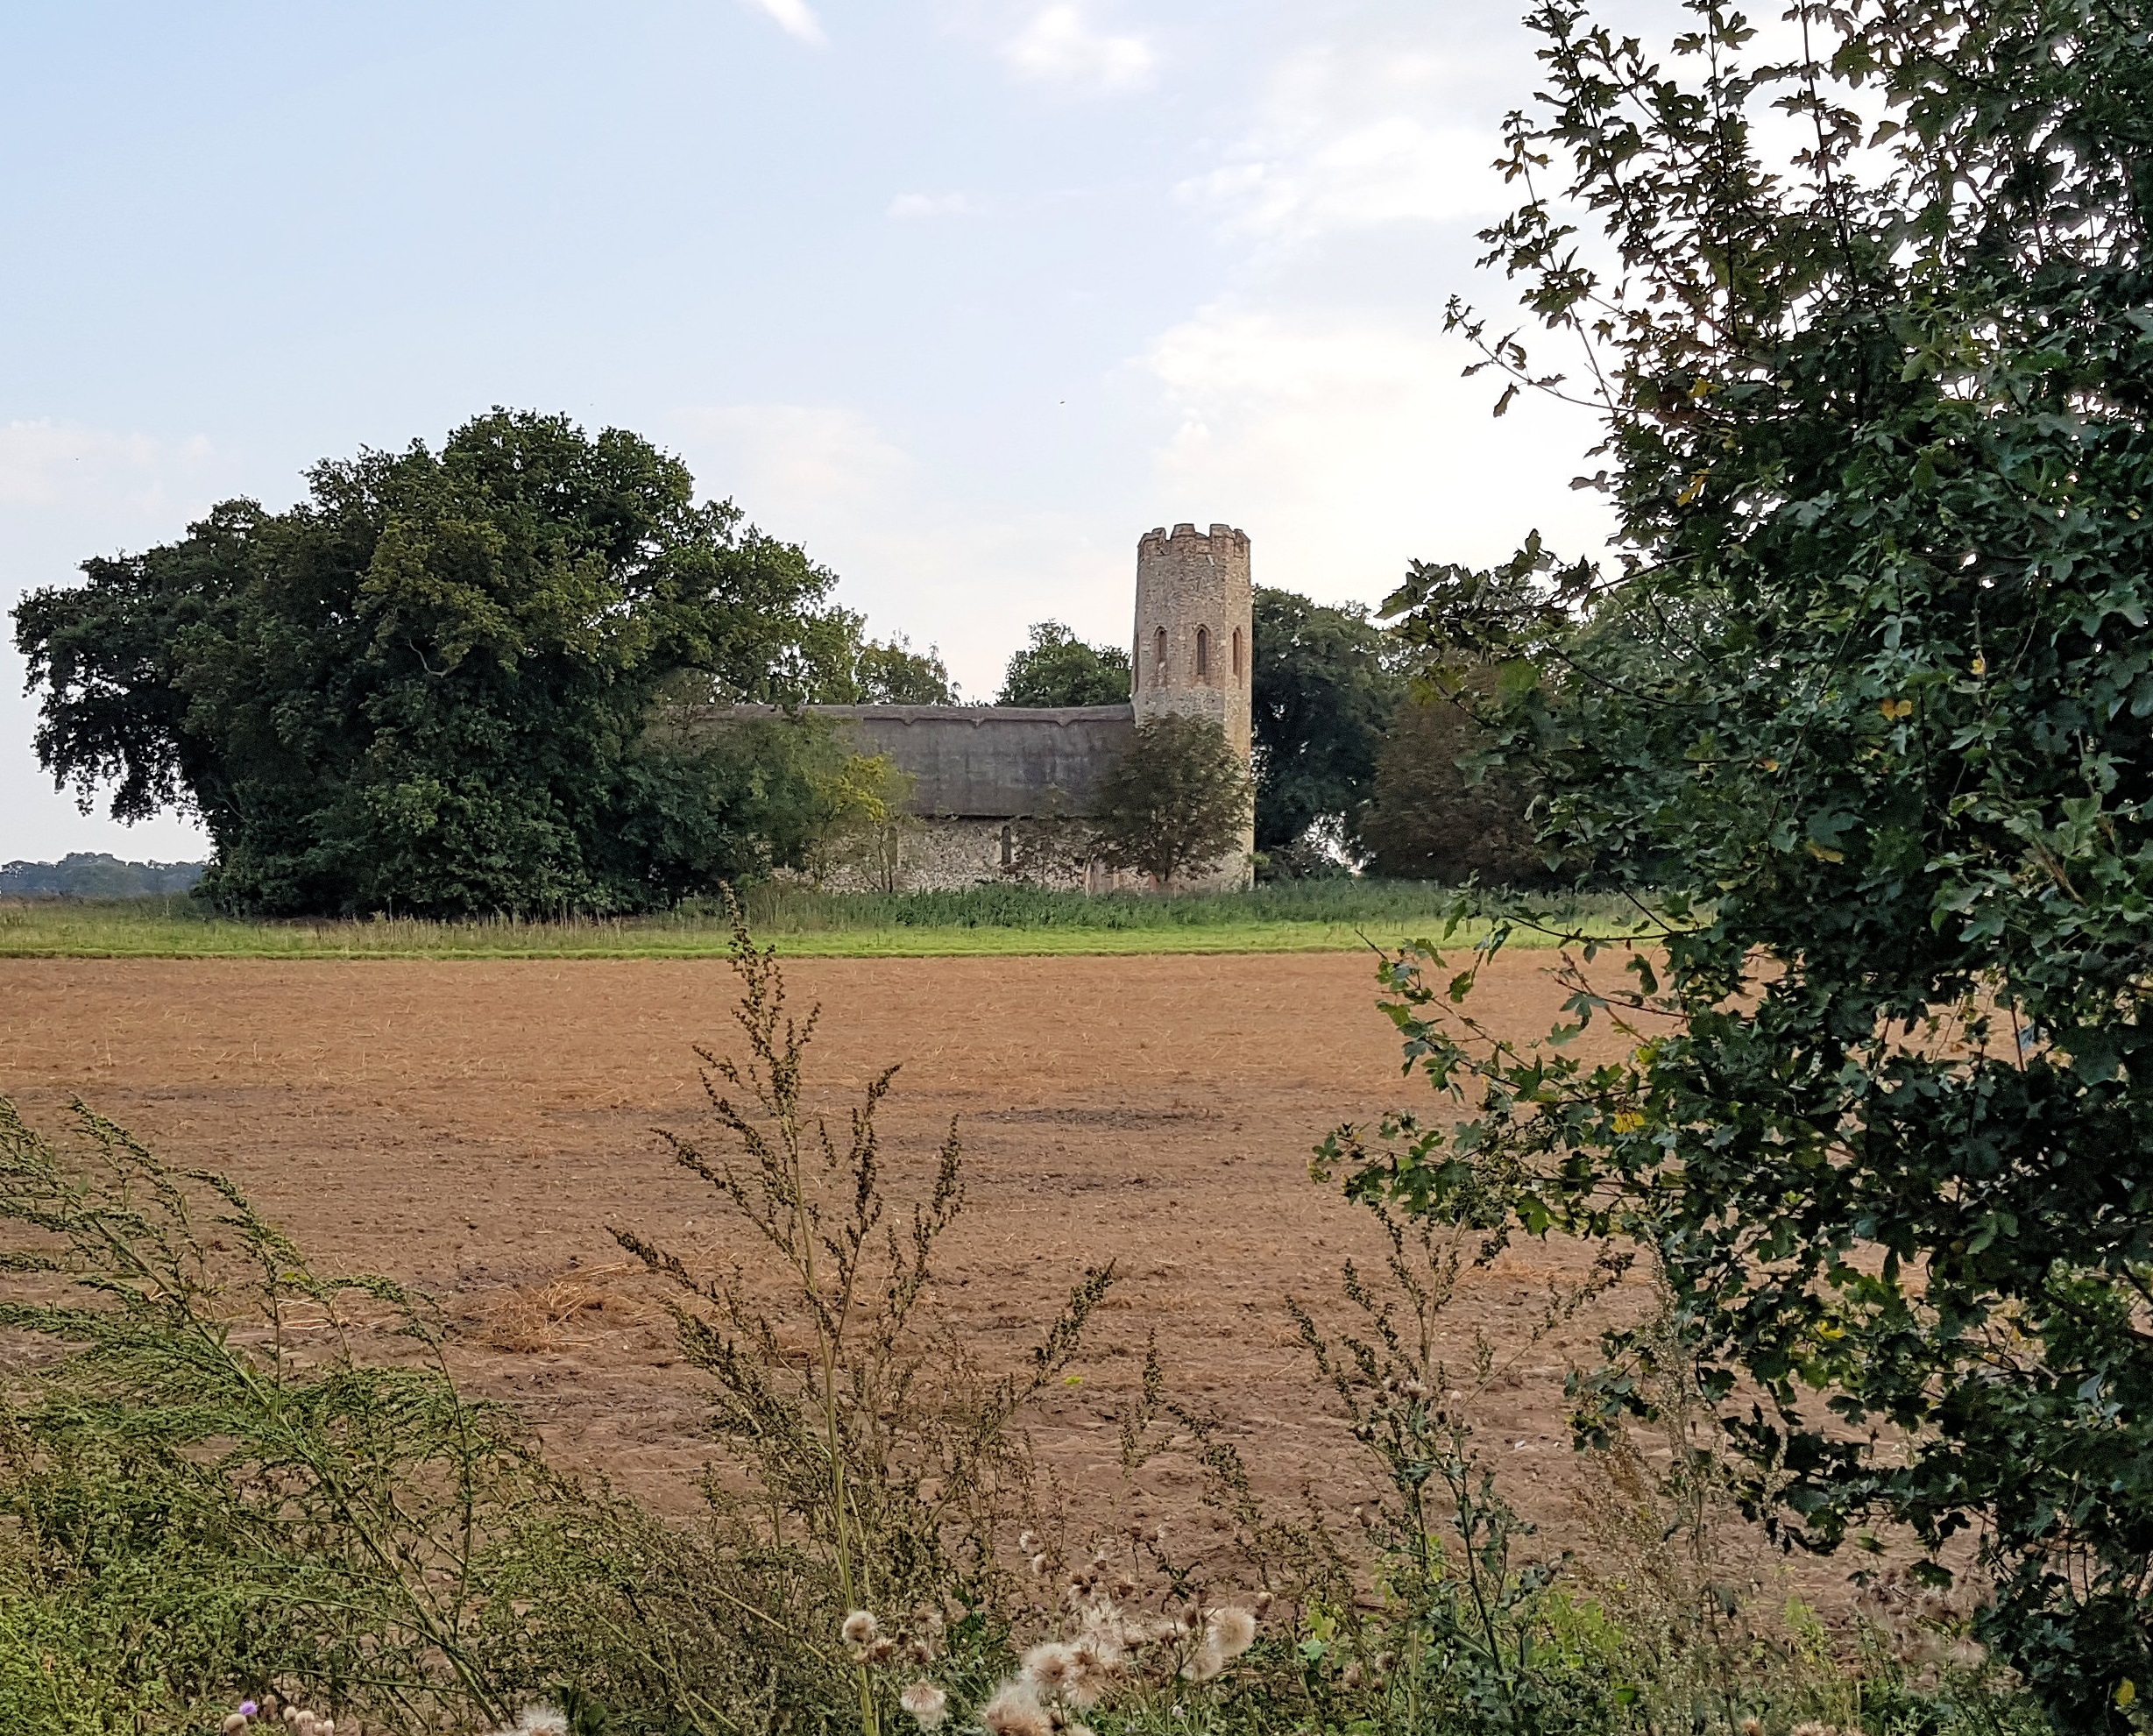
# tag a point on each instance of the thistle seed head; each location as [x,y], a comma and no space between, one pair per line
[928,1704]
[1232,1630]
[1050,1668]
[860,1628]
[1205,1662]
[1014,1711]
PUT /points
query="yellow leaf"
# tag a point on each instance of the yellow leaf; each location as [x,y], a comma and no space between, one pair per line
[1628,1122]
[1822,854]
[1695,488]
[2126,1693]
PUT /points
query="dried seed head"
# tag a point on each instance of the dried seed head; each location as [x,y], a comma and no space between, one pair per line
[1205,1662]
[1232,1630]
[540,1721]
[234,1723]
[1028,1541]
[1262,1605]
[1749,1727]
[1349,1676]
[883,1650]
[860,1628]
[1050,1668]
[928,1704]
[1014,1711]
[1039,1565]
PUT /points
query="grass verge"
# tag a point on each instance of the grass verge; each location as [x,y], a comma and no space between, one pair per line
[1335,916]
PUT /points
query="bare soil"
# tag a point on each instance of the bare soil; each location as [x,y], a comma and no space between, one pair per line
[474,1127]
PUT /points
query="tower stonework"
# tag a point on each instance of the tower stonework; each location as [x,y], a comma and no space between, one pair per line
[1194,628]
[1195,645]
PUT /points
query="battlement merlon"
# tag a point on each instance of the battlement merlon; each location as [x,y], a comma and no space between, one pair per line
[1186,539]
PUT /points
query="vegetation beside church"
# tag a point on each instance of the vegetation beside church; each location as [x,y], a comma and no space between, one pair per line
[1176,803]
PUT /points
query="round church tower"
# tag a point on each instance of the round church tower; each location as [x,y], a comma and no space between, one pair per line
[1194,628]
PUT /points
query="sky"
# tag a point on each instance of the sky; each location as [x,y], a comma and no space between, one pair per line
[961,295]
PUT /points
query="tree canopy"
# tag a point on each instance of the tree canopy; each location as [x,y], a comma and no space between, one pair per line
[430,685]
[885,672]
[1175,801]
[1863,714]
[1437,814]
[1058,668]
[1325,680]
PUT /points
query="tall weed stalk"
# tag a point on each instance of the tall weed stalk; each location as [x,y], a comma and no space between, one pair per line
[863,1443]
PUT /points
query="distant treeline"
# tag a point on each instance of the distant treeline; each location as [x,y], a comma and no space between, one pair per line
[96,875]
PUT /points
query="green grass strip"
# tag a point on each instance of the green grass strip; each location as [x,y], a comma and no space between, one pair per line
[984,921]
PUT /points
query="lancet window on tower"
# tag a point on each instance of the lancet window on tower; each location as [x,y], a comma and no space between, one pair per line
[1236,657]
[1158,653]
[1203,653]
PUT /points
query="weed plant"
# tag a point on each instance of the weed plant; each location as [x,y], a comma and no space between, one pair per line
[202,1488]
[868,1452]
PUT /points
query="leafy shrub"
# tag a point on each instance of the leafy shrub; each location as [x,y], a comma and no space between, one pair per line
[1177,801]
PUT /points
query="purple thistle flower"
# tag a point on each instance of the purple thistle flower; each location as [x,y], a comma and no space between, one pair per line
[247,1709]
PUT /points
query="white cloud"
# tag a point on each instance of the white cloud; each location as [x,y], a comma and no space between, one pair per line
[914,552]
[932,205]
[48,464]
[794,18]
[1061,45]
[1346,444]
[790,463]
[1343,139]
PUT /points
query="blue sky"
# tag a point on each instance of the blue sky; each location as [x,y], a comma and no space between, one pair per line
[962,294]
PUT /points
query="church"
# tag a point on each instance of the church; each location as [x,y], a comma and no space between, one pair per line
[1000,792]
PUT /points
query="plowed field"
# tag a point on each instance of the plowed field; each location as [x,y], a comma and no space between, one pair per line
[474,1127]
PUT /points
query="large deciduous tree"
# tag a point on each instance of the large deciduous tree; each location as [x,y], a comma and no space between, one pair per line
[1325,680]
[1866,711]
[429,686]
